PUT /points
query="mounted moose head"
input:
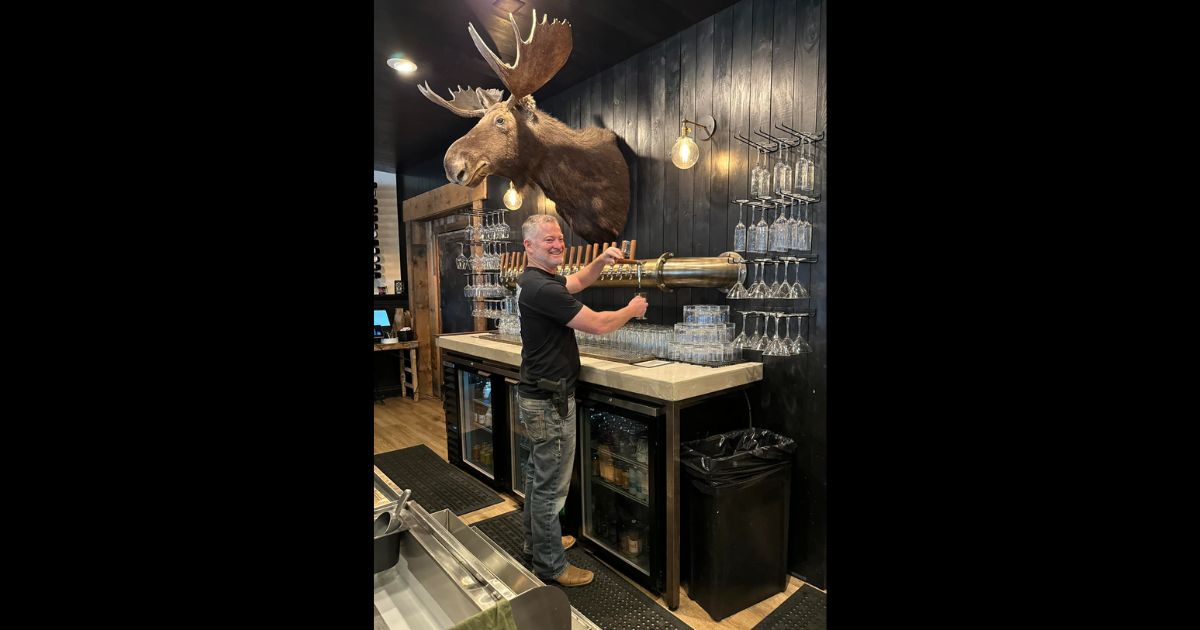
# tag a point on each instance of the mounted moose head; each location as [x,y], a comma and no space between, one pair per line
[582,170]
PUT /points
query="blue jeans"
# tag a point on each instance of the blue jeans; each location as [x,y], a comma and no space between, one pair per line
[547,479]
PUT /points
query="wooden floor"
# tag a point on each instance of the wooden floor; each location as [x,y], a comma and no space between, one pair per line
[400,423]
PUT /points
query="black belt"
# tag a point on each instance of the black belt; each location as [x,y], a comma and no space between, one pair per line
[542,395]
[558,393]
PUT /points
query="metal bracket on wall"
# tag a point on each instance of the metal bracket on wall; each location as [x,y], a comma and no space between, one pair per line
[780,142]
[800,134]
[802,198]
[740,138]
[796,259]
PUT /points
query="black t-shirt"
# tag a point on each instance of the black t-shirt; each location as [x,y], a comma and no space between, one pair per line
[548,347]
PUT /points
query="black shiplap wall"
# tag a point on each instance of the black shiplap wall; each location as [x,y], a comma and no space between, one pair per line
[753,65]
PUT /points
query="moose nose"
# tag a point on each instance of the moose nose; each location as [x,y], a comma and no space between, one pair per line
[456,169]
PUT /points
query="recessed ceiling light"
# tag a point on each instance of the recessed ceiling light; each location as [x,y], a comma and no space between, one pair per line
[402,65]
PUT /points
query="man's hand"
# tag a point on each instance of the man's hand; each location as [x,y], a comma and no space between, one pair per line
[638,303]
[612,255]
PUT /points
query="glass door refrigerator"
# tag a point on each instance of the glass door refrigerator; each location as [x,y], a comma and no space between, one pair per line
[622,484]
[518,440]
[477,425]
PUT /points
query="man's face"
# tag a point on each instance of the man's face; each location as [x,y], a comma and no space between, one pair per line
[547,248]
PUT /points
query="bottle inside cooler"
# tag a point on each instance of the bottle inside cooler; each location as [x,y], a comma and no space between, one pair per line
[476,420]
[618,511]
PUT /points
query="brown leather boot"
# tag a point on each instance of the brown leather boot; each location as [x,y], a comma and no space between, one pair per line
[574,576]
[568,542]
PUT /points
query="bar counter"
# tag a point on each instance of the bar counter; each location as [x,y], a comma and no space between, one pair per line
[666,389]
[671,382]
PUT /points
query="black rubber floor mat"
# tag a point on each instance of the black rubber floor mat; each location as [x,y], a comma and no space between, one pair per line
[609,601]
[804,610]
[435,484]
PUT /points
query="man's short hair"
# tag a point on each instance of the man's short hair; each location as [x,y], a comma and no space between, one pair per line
[529,228]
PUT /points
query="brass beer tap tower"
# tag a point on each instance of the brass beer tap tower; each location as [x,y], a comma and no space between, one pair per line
[666,272]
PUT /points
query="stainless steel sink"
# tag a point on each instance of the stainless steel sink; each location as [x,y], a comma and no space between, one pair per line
[433,571]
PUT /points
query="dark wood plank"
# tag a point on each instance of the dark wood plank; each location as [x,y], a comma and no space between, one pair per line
[583,121]
[687,179]
[808,35]
[760,80]
[741,156]
[712,96]
[670,131]
[783,67]
[652,240]
[634,103]
[621,126]
[821,93]
[648,173]
[808,29]
[598,118]
[633,133]
[595,89]
[607,118]
[815,408]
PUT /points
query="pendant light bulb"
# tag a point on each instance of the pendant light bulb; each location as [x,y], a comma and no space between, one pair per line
[685,152]
[512,198]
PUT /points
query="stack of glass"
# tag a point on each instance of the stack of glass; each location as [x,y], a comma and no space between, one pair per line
[633,337]
[510,321]
[706,313]
[705,337]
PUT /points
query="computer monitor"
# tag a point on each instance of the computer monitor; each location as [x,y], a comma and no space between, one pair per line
[382,324]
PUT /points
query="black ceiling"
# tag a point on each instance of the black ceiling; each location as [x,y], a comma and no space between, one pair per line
[433,34]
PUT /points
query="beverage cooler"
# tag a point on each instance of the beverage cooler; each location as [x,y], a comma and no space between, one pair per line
[476,402]
[622,484]
[519,441]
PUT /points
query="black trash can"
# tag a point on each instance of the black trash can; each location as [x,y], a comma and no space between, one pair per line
[737,488]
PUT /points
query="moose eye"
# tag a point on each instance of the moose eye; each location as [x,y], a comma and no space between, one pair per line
[499,122]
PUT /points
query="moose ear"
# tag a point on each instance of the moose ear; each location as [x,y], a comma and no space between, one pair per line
[525,106]
[487,98]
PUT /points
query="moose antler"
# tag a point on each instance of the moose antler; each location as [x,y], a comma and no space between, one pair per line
[542,57]
[467,103]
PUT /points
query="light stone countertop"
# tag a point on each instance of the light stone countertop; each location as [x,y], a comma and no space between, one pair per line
[674,381]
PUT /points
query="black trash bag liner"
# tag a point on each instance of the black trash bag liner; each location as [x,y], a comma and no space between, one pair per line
[736,455]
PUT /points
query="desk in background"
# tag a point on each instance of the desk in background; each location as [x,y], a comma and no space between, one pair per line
[409,380]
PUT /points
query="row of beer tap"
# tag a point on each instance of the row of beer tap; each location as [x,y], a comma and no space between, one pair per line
[513,264]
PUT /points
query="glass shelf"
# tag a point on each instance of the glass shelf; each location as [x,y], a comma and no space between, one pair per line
[623,458]
[640,562]
[599,481]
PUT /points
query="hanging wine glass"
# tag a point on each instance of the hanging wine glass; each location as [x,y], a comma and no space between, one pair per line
[779,229]
[739,341]
[785,290]
[737,291]
[804,238]
[776,347]
[773,291]
[752,342]
[794,225]
[739,232]
[461,260]
[805,169]
[761,344]
[759,245]
[782,174]
[799,345]
[760,177]
[758,291]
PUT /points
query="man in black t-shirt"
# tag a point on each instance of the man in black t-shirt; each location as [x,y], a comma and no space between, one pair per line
[549,316]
